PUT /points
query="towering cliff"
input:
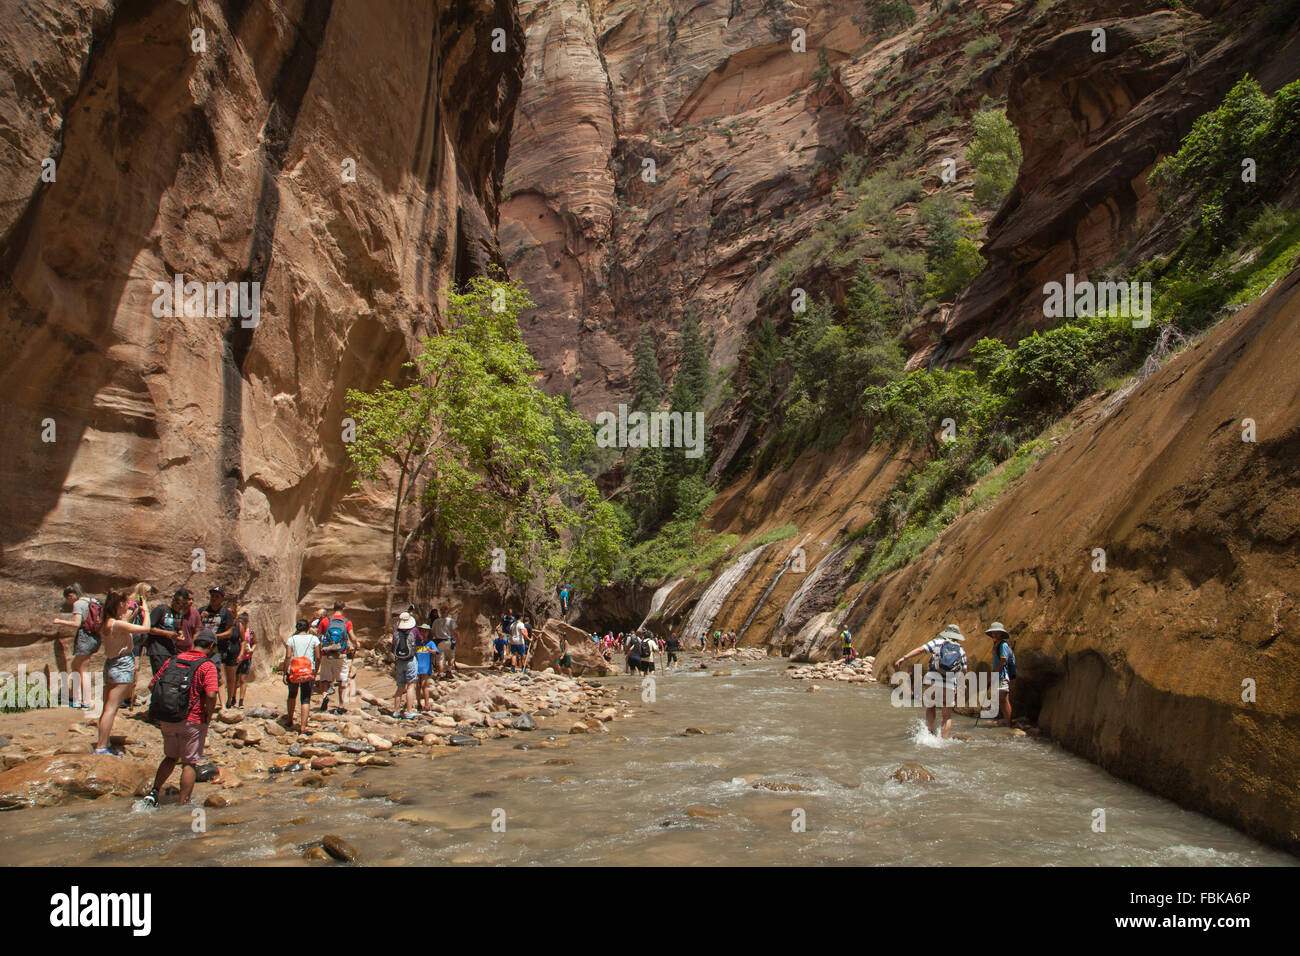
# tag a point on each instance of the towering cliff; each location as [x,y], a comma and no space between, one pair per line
[347,158]
[750,143]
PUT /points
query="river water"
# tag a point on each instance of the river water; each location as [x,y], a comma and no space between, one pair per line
[659,798]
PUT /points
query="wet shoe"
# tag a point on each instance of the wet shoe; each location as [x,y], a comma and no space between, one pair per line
[103,752]
[151,798]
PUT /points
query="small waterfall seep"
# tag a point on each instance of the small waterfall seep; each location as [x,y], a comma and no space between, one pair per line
[658,599]
[716,594]
[808,598]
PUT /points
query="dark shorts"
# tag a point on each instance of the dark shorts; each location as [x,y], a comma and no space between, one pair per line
[301,691]
[566,660]
[230,654]
[246,666]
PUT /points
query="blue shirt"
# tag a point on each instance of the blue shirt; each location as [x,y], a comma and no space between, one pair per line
[424,655]
[1002,650]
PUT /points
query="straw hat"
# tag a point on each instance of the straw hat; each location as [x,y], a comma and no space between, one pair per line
[952,633]
[997,628]
[406,622]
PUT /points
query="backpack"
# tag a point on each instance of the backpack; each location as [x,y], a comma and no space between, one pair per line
[94,616]
[335,637]
[173,693]
[1009,660]
[300,669]
[948,660]
[403,646]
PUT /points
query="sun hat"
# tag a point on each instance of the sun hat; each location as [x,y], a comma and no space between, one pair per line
[406,622]
[997,628]
[952,633]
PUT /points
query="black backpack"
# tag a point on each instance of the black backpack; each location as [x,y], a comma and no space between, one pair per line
[403,646]
[172,695]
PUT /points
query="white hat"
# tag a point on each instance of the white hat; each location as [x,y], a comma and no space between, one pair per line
[997,628]
[406,622]
[952,633]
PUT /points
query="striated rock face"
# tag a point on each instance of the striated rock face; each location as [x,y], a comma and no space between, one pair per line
[1092,127]
[229,164]
[740,135]
[1173,668]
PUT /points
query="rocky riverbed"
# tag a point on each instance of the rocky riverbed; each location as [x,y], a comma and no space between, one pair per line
[48,761]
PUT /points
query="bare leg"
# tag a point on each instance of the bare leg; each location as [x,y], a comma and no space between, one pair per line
[947,722]
[164,771]
[929,719]
[112,700]
[79,679]
[1006,705]
[188,775]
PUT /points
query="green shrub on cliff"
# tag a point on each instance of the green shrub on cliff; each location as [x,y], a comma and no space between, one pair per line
[1235,160]
[995,154]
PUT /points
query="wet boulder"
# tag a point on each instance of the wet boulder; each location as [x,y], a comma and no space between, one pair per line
[913,773]
[51,781]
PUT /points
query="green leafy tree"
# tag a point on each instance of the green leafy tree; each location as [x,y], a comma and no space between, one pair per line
[995,154]
[496,461]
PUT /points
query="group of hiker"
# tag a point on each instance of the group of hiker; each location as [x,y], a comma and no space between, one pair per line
[193,651]
[640,649]
[948,662]
[127,629]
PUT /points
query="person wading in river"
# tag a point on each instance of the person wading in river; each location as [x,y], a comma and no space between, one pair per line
[947,662]
[1004,662]
[183,702]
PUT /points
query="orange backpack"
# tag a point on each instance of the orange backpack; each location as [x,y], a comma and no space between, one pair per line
[300,669]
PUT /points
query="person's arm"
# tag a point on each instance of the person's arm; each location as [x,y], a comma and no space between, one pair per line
[209,706]
[72,620]
[227,632]
[210,696]
[132,628]
[909,655]
[285,666]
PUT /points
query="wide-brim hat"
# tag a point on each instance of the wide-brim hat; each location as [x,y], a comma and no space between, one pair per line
[952,633]
[997,628]
[406,622]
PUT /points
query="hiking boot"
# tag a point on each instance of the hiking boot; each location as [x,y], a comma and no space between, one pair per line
[151,798]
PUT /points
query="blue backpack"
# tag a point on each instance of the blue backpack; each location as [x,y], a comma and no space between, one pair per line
[335,637]
[1010,658]
[948,659]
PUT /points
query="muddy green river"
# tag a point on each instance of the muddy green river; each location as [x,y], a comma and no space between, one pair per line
[662,798]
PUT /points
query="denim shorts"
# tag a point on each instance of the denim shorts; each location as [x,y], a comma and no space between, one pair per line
[404,672]
[120,670]
[84,643]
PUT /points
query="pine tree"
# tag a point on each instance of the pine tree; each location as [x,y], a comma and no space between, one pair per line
[647,386]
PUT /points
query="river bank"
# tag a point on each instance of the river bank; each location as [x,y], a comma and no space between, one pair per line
[47,759]
[732,763]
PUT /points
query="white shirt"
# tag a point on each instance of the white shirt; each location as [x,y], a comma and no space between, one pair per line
[518,633]
[303,645]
